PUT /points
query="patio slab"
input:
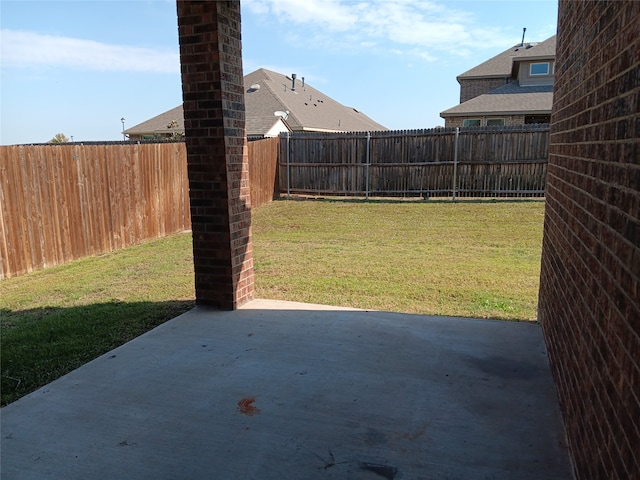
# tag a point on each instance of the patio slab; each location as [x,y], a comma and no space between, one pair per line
[280,390]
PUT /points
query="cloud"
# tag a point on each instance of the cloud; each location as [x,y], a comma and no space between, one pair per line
[331,15]
[415,25]
[29,49]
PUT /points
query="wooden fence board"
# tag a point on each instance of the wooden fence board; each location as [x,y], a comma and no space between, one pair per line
[263,170]
[63,202]
[498,161]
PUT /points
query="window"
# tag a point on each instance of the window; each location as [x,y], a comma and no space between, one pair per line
[539,69]
[471,122]
[529,119]
[495,121]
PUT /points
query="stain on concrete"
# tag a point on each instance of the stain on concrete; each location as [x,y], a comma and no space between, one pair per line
[384,471]
[375,437]
[505,368]
[329,463]
[416,434]
[245,406]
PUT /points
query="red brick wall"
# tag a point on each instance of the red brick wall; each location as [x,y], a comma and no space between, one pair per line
[213,96]
[590,279]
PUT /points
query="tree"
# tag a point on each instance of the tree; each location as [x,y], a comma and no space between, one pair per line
[59,138]
[174,134]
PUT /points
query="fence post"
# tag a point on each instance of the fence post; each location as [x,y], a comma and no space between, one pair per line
[455,166]
[288,170]
[368,163]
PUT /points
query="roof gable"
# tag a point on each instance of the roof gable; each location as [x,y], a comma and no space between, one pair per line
[160,123]
[501,65]
[546,49]
[308,108]
[268,92]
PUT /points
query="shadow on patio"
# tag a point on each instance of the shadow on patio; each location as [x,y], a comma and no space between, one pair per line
[280,390]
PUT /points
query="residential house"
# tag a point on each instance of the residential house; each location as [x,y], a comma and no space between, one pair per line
[274,103]
[513,88]
[166,125]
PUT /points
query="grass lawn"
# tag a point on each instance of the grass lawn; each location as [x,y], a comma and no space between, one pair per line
[468,259]
[54,320]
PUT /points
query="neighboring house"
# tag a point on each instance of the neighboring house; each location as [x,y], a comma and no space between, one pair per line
[166,125]
[512,88]
[274,103]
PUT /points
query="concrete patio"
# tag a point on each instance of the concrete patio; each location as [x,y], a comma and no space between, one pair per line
[279,390]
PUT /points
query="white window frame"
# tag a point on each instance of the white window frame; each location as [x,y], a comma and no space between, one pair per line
[465,122]
[539,74]
[495,124]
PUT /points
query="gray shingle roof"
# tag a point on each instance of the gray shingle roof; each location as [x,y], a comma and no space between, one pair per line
[260,125]
[501,64]
[510,99]
[309,109]
[159,123]
[546,49]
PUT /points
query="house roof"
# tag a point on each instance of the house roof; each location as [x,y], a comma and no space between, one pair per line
[546,49]
[159,123]
[501,65]
[510,99]
[262,125]
[308,109]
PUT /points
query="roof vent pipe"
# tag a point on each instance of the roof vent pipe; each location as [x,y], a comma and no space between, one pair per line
[302,82]
[293,82]
[523,32]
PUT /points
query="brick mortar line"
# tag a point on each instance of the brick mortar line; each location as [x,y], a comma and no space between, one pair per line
[600,71]
[602,268]
[631,116]
[622,166]
[596,199]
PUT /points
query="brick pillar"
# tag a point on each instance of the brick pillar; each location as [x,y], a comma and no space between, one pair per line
[589,304]
[214,120]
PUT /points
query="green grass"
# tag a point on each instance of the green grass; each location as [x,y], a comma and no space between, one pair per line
[478,259]
[465,259]
[54,320]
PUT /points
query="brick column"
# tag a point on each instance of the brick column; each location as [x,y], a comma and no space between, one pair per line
[214,120]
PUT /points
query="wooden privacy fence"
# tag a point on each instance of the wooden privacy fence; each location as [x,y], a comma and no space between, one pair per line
[63,202]
[469,162]
[263,170]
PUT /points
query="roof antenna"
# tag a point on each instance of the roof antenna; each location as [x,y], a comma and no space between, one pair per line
[523,32]
[293,82]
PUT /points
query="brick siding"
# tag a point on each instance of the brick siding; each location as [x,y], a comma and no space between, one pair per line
[589,304]
[471,88]
[213,96]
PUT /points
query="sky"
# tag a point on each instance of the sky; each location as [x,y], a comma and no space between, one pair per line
[79,67]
